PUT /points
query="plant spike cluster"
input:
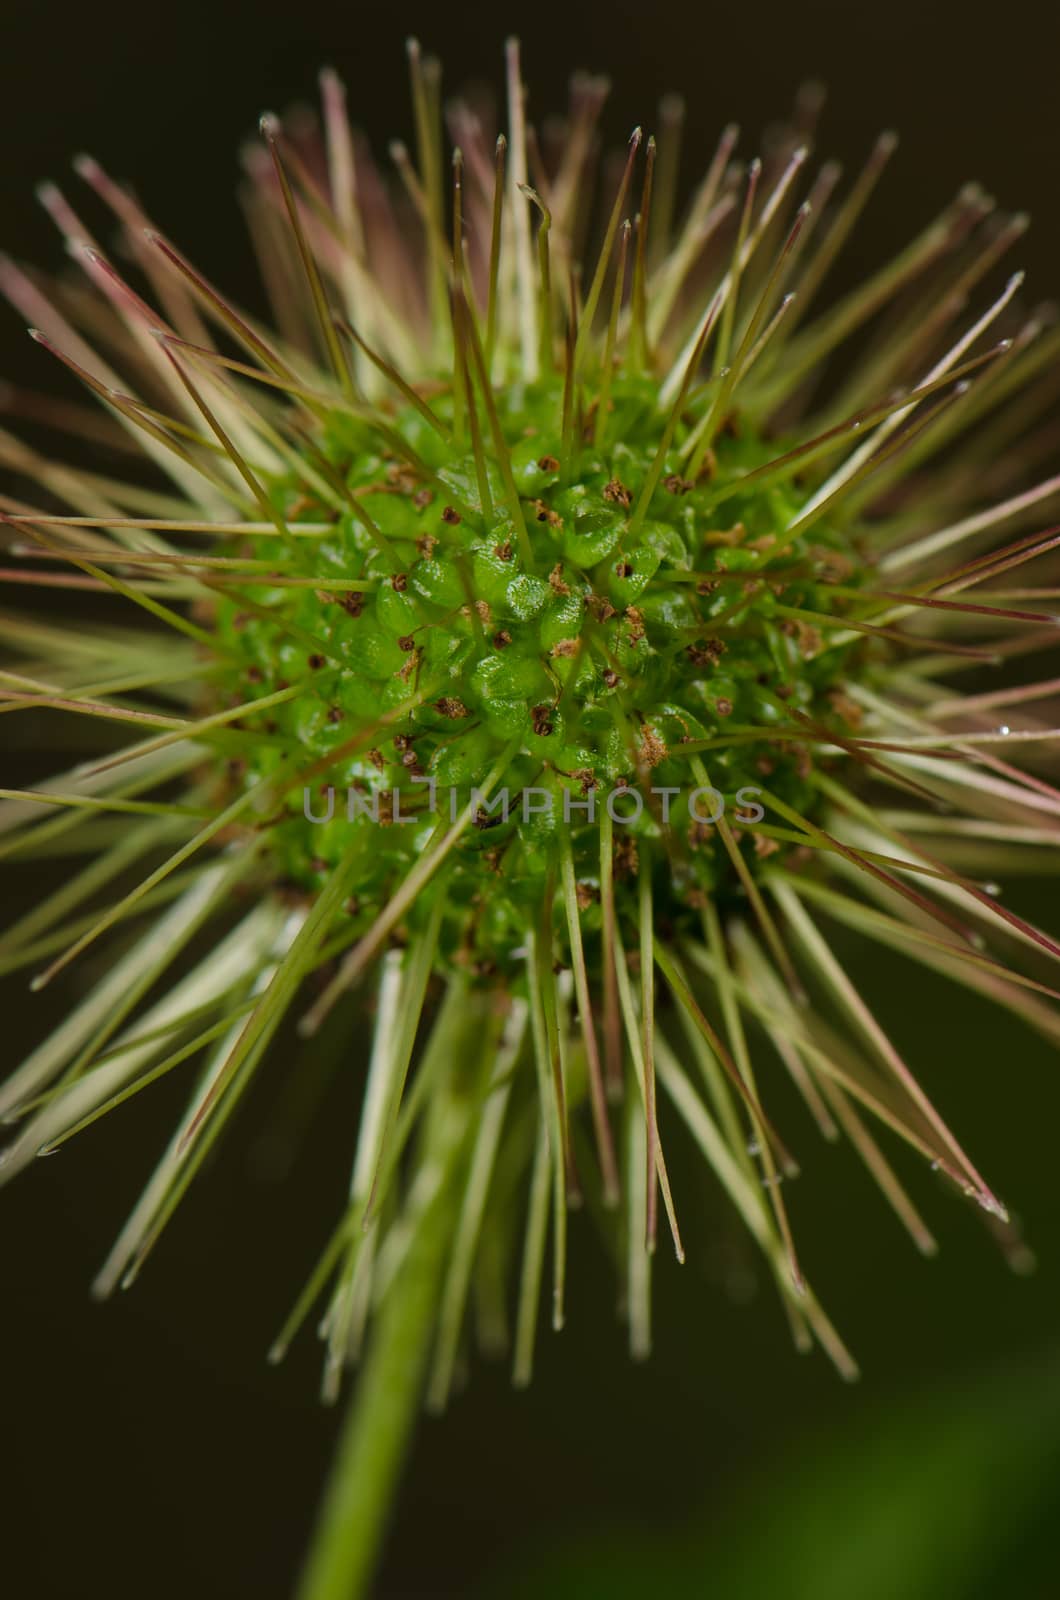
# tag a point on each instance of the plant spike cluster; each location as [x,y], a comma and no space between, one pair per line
[472,519]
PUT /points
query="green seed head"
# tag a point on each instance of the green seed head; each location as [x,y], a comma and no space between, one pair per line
[605,633]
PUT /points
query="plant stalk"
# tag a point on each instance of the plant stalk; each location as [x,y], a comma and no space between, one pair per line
[382,1414]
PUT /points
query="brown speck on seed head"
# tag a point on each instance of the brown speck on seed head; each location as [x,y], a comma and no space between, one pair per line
[406,642]
[426,544]
[376,758]
[766,766]
[611,678]
[700,834]
[352,603]
[697,899]
[501,639]
[399,582]
[482,610]
[723,707]
[635,618]
[845,707]
[586,895]
[585,777]
[544,513]
[503,552]
[422,499]
[616,493]
[548,464]
[624,569]
[783,691]
[555,580]
[401,476]
[832,566]
[675,484]
[624,858]
[484,819]
[565,647]
[808,640]
[254,674]
[600,607]
[706,652]
[412,661]
[765,847]
[652,749]
[448,706]
[451,516]
[334,714]
[708,586]
[803,761]
[541,717]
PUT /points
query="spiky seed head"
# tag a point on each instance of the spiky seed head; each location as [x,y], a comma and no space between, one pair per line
[551,632]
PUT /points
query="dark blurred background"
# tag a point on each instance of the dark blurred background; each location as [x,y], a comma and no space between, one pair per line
[148,1450]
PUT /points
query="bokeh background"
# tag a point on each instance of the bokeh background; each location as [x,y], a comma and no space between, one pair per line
[148,1450]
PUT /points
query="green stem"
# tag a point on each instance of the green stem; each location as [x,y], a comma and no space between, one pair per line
[380,1420]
